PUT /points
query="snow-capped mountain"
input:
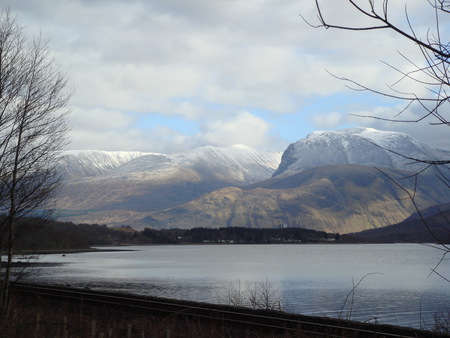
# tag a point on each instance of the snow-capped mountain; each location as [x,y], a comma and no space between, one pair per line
[85,163]
[364,146]
[239,164]
[138,182]
[325,181]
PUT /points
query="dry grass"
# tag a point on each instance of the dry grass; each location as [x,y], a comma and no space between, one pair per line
[32,316]
[36,317]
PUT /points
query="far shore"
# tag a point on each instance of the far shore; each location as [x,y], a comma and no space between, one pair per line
[68,251]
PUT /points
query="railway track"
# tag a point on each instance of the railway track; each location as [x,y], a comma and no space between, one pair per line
[261,320]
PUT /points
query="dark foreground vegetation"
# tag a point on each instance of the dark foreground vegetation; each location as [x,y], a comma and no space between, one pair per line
[38,312]
[39,317]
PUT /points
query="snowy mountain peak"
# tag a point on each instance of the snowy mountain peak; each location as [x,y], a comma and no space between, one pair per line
[239,164]
[366,146]
[85,163]
[375,135]
[233,155]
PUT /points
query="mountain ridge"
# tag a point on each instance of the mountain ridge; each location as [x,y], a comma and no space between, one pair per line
[88,163]
[240,186]
[365,146]
[151,181]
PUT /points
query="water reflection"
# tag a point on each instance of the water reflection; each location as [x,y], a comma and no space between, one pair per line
[313,279]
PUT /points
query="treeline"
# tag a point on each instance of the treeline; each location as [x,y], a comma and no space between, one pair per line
[34,234]
[239,235]
[37,234]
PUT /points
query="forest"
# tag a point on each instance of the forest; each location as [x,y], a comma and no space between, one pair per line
[35,234]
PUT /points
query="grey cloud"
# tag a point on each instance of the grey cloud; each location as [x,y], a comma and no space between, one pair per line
[154,56]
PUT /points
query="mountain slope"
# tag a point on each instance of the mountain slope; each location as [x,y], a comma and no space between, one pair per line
[154,181]
[335,198]
[435,228]
[363,146]
[323,182]
[87,163]
[237,164]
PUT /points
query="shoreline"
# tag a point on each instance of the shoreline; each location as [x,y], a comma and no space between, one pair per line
[66,251]
[126,248]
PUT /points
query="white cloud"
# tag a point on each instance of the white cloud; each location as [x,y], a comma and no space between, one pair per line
[204,61]
[113,130]
[99,119]
[244,128]
[327,121]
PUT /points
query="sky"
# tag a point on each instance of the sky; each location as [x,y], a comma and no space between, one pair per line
[172,75]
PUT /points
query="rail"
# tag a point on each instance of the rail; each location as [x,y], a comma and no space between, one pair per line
[260,319]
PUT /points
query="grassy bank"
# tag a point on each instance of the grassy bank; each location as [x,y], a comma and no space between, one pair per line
[47,316]
[37,317]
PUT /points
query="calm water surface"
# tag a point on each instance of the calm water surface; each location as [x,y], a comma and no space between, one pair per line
[397,287]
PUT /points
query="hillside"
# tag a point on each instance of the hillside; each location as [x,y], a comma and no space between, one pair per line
[435,228]
[335,199]
[151,182]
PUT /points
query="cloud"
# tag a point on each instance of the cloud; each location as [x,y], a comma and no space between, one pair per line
[243,128]
[327,121]
[158,139]
[384,118]
[130,87]
[113,130]
[206,62]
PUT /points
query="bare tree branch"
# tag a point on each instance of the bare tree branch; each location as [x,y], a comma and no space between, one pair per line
[33,129]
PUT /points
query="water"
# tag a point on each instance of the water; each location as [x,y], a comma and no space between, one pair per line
[396,284]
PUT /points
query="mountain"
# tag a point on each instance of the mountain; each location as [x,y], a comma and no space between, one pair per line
[129,183]
[326,181]
[364,146]
[80,164]
[433,228]
[338,198]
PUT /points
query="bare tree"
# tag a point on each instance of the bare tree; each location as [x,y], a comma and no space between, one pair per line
[255,295]
[263,295]
[430,73]
[33,129]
